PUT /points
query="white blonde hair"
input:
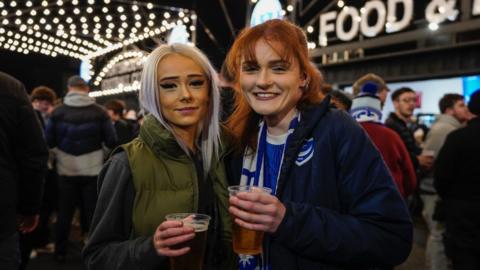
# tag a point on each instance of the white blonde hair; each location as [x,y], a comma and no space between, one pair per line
[209,132]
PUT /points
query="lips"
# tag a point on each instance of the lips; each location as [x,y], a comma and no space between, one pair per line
[265,95]
[187,110]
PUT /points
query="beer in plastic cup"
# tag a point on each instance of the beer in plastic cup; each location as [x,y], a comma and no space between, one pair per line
[193,260]
[246,241]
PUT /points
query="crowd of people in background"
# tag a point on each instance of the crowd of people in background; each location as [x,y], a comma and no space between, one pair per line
[352,199]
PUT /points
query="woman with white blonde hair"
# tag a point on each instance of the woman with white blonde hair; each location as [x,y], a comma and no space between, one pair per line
[175,165]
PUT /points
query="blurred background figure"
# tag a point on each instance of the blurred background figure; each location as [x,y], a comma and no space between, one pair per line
[401,121]
[454,113]
[124,129]
[43,100]
[23,165]
[341,100]
[77,130]
[371,77]
[456,179]
[366,109]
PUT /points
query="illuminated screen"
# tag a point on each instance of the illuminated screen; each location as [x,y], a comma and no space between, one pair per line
[470,84]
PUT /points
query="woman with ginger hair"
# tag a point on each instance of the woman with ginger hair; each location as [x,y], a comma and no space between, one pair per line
[333,202]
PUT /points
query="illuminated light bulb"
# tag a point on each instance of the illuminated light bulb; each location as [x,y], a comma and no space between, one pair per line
[186,19]
[181,14]
[289,8]
[61,11]
[149,5]
[192,28]
[120,9]
[89,10]
[108,18]
[76,11]
[18,21]
[135,8]
[18,12]
[55,20]
[69,20]
[138,24]
[123,17]
[138,17]
[193,17]
[33,12]
[13,4]
[340,3]
[151,23]
[166,15]
[91,2]
[75,2]
[59,3]
[43,21]
[104,9]
[28,3]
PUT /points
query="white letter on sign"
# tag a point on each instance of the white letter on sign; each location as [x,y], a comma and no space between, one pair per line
[371,31]
[326,27]
[395,25]
[351,12]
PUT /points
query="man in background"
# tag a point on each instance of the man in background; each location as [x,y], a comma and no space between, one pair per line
[404,100]
[366,109]
[125,130]
[454,113]
[371,77]
[456,179]
[23,165]
[77,130]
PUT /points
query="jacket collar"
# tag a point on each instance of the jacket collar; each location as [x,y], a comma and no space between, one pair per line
[159,139]
[397,119]
[309,120]
[78,99]
[448,119]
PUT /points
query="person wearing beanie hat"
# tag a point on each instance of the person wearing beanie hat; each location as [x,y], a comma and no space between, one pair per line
[456,179]
[366,109]
[382,91]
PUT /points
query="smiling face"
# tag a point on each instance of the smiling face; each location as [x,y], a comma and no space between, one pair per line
[183,92]
[270,84]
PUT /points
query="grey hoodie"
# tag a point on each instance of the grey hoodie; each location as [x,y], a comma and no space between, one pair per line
[434,142]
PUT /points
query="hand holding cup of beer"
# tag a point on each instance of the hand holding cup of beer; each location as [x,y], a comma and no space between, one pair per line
[183,238]
[254,211]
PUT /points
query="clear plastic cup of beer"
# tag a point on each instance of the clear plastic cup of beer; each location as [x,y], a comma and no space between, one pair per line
[193,260]
[246,241]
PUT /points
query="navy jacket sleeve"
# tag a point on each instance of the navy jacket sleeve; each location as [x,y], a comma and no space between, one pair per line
[109,245]
[372,226]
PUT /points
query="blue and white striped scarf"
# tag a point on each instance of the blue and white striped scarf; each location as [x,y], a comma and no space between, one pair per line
[254,173]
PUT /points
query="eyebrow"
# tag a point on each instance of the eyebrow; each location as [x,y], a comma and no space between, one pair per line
[271,63]
[177,77]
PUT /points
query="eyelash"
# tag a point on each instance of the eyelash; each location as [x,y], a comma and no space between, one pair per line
[194,84]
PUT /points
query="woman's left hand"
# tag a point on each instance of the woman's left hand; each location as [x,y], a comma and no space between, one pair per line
[257,211]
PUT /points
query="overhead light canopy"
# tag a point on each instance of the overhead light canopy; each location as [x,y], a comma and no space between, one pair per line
[85,29]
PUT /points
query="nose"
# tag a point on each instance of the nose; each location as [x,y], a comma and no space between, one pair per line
[185,93]
[264,80]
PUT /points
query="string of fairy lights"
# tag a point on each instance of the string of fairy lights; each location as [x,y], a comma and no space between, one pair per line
[84,29]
